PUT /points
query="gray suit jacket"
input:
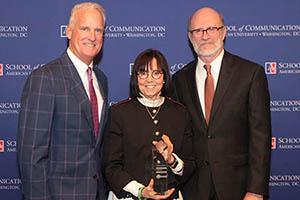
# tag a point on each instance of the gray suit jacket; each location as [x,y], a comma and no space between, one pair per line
[58,155]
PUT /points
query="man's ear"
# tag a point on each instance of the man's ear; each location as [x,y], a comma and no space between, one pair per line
[69,32]
[190,36]
[224,32]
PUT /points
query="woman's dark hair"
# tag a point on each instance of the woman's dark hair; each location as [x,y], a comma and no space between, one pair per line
[142,64]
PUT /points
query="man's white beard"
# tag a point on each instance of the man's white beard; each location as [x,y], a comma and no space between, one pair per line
[206,53]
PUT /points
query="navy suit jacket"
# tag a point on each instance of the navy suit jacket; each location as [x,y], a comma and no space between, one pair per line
[58,155]
[233,152]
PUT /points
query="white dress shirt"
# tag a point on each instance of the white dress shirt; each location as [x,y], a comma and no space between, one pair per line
[201,76]
[81,68]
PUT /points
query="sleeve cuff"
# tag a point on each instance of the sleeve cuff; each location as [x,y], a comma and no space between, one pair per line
[177,167]
[133,187]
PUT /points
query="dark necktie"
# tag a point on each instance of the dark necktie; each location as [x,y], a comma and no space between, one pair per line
[93,100]
[208,92]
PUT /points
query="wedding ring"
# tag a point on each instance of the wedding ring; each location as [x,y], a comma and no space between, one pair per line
[165,148]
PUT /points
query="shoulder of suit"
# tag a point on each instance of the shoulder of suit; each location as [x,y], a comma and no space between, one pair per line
[122,102]
[241,60]
[186,68]
[45,70]
[175,102]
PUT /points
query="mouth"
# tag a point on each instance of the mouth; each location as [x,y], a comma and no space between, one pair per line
[205,43]
[150,86]
[89,44]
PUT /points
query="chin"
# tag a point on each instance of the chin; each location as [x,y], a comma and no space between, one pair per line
[208,53]
[90,55]
[152,95]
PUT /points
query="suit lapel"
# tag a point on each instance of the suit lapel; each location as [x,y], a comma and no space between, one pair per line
[225,77]
[104,104]
[77,88]
[100,83]
[191,82]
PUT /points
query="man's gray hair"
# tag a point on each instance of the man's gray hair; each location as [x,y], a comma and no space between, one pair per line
[85,5]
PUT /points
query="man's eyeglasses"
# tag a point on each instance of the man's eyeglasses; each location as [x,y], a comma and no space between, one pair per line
[210,31]
[156,74]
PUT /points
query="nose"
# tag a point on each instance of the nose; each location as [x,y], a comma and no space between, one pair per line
[205,35]
[92,36]
[149,78]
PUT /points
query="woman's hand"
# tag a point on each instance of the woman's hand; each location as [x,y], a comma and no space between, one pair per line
[165,148]
[149,193]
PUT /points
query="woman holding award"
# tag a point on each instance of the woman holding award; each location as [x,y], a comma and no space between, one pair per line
[148,140]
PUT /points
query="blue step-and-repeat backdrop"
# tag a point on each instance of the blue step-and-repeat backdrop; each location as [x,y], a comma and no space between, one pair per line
[32,33]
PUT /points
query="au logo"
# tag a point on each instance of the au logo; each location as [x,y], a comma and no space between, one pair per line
[1,146]
[273,143]
[1,69]
[63,31]
[271,67]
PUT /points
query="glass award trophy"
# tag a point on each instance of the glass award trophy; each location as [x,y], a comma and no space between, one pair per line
[159,169]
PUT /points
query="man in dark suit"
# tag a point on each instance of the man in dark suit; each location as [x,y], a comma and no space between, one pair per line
[228,99]
[63,108]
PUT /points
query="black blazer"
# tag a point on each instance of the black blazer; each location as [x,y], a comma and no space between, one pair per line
[58,155]
[234,151]
[128,142]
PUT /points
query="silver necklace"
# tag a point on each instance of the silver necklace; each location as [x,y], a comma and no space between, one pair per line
[152,104]
[155,113]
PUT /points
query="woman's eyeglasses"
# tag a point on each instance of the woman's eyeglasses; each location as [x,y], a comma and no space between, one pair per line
[156,74]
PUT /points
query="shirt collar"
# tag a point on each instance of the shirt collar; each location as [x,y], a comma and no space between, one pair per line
[79,65]
[151,103]
[215,64]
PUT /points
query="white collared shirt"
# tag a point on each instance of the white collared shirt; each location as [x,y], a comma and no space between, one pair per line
[81,68]
[201,76]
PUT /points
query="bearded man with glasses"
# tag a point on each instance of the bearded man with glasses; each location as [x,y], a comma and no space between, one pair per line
[228,99]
